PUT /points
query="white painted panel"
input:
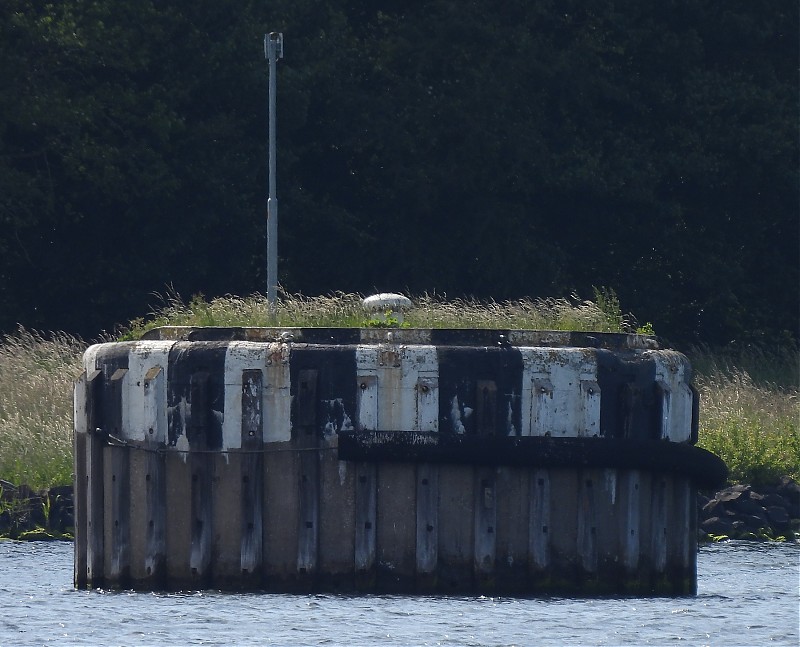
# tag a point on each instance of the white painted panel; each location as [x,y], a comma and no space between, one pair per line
[683,414]
[556,398]
[428,403]
[590,400]
[239,356]
[565,401]
[272,360]
[277,393]
[367,385]
[396,398]
[672,370]
[416,392]
[367,416]
[398,387]
[144,403]
[543,407]
[155,404]
[420,359]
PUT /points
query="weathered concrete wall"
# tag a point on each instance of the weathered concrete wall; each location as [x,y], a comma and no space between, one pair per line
[406,460]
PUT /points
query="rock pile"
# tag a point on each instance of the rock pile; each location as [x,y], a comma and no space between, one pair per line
[741,512]
[26,514]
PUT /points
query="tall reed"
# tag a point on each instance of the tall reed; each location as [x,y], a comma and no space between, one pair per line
[750,409]
[36,379]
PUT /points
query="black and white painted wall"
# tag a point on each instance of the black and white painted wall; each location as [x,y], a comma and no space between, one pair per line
[314,425]
[188,393]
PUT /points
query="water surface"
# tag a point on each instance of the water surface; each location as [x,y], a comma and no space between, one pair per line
[747,595]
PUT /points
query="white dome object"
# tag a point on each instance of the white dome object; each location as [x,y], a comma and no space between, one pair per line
[387,303]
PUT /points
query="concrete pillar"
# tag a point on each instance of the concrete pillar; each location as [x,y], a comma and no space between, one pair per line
[436,462]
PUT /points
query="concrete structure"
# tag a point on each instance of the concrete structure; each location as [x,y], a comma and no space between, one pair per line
[374,460]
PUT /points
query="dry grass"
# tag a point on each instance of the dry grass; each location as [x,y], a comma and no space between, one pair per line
[429,311]
[539,314]
[750,411]
[36,377]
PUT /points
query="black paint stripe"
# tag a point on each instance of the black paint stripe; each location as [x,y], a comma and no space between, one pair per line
[334,398]
[705,468]
[196,378]
[630,406]
[109,361]
[488,337]
[486,382]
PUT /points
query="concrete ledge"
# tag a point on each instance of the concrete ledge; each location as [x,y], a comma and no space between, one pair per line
[433,336]
[707,470]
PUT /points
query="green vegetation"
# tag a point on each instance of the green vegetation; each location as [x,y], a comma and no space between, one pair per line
[749,398]
[750,410]
[36,377]
[429,311]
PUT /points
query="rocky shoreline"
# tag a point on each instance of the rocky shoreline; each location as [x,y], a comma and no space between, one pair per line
[36,515]
[765,513]
[744,512]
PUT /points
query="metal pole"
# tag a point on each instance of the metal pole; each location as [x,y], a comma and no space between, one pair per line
[273,50]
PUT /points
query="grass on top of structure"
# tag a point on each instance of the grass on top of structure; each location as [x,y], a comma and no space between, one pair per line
[344,310]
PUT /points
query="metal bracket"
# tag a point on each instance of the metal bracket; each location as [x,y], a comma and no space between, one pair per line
[274,39]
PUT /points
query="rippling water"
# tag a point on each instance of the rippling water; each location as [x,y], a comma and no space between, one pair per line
[748,595]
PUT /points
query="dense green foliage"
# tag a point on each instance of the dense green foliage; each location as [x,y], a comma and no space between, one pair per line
[519,149]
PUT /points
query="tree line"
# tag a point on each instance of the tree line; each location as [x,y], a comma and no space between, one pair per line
[497,150]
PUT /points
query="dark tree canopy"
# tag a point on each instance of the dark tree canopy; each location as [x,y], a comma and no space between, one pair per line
[498,150]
